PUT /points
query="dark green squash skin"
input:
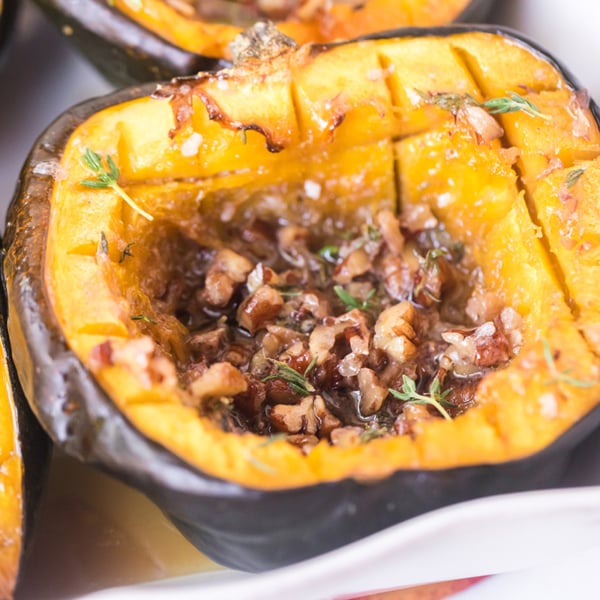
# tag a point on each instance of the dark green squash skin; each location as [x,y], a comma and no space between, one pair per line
[122,50]
[126,53]
[237,526]
[31,439]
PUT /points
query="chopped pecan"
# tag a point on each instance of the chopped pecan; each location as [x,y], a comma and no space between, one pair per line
[410,416]
[295,418]
[227,269]
[372,393]
[259,308]
[346,437]
[357,263]
[482,125]
[397,277]
[220,379]
[389,226]
[394,332]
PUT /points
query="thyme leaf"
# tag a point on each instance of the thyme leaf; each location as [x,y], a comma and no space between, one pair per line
[436,398]
[297,381]
[108,177]
[573,177]
[329,254]
[373,233]
[430,261]
[562,376]
[350,302]
[145,318]
[371,434]
[512,102]
[126,252]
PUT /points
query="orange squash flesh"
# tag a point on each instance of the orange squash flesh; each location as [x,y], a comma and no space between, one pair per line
[11,489]
[349,135]
[337,21]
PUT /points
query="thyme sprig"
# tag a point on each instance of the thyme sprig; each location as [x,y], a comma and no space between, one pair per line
[512,102]
[562,376]
[297,381]
[436,398]
[108,178]
[350,302]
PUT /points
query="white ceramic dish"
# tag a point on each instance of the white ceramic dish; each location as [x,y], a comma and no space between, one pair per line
[506,533]
[491,535]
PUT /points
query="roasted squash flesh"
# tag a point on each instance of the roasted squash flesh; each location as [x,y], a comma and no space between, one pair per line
[362,124]
[11,485]
[210,34]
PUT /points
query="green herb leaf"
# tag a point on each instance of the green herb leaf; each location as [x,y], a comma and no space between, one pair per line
[290,294]
[430,261]
[429,264]
[108,179]
[329,253]
[450,102]
[94,183]
[297,381]
[436,398]
[350,302]
[372,433]
[126,252]
[562,376]
[373,233]
[92,160]
[573,177]
[512,102]
[145,318]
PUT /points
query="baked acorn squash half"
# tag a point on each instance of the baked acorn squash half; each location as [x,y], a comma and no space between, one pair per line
[24,453]
[149,40]
[329,289]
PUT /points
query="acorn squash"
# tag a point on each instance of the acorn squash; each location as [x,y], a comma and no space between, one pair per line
[24,452]
[465,154]
[151,40]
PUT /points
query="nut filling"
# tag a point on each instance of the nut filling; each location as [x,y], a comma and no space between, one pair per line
[323,333]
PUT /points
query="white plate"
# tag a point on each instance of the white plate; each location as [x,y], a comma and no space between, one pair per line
[491,535]
[43,77]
